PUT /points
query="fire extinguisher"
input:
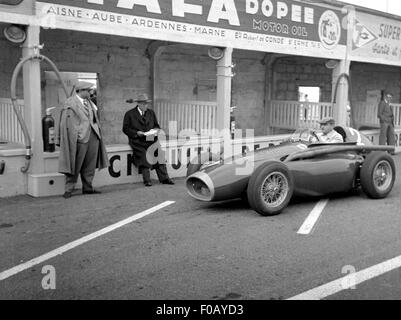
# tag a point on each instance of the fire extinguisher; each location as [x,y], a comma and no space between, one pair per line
[232,121]
[48,132]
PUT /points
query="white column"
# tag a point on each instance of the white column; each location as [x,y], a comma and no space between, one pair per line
[32,99]
[224,75]
[343,67]
[340,107]
[155,65]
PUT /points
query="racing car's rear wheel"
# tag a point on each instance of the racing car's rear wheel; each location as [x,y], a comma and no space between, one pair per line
[377,174]
[270,188]
[197,162]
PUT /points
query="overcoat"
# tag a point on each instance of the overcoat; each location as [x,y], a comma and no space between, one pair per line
[385,112]
[134,122]
[68,125]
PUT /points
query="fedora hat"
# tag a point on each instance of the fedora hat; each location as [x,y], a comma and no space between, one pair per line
[327,120]
[143,97]
[83,85]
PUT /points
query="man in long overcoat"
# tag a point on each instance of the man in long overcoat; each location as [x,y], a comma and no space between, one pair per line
[141,126]
[78,134]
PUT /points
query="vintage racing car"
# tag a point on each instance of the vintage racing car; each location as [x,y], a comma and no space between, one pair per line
[269,177]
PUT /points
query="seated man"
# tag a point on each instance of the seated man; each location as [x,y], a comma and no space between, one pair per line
[328,134]
[137,125]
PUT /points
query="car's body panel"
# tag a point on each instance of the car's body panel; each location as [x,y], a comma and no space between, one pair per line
[323,175]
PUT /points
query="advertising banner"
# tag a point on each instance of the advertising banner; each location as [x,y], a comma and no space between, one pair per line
[286,26]
[14,10]
[376,40]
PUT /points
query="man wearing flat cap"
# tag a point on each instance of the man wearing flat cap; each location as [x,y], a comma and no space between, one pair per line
[328,134]
[385,114]
[141,126]
[79,136]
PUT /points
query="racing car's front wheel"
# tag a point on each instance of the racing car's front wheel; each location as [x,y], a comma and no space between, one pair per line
[377,174]
[270,188]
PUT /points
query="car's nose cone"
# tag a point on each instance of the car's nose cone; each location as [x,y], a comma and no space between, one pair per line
[200,186]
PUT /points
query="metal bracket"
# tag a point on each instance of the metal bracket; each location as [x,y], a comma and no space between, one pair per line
[232,74]
[36,48]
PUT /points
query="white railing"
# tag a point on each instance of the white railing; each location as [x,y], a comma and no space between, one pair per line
[365,115]
[397,115]
[10,129]
[195,116]
[295,114]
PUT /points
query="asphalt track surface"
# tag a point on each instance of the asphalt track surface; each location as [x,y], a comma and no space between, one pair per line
[197,250]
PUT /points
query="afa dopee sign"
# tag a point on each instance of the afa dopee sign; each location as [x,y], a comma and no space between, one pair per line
[261,25]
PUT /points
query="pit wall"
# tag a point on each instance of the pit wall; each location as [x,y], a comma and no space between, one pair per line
[121,169]
[178,153]
[12,182]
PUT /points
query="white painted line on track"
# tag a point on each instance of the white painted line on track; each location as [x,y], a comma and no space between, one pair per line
[311,220]
[26,265]
[351,280]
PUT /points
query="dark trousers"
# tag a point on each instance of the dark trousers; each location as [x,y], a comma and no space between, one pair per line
[161,171]
[387,134]
[85,164]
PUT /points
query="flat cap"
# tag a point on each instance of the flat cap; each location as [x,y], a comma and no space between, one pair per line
[327,120]
[84,85]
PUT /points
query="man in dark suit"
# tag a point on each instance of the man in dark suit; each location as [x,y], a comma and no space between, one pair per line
[141,126]
[385,114]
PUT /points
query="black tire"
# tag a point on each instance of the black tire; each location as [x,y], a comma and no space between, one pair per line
[377,174]
[196,163]
[280,178]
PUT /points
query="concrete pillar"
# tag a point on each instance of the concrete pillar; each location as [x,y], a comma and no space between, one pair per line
[342,99]
[340,113]
[224,75]
[32,98]
[268,62]
[154,51]
[155,65]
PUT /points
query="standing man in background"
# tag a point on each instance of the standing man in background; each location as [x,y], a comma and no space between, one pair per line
[79,136]
[385,114]
[141,126]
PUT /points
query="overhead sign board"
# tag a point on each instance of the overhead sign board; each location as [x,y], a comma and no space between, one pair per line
[25,7]
[376,40]
[286,26]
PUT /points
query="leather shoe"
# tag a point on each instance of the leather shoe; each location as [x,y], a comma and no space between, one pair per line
[91,192]
[168,181]
[148,184]
[67,195]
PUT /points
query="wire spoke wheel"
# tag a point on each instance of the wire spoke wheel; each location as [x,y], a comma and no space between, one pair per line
[270,188]
[382,175]
[274,189]
[377,174]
